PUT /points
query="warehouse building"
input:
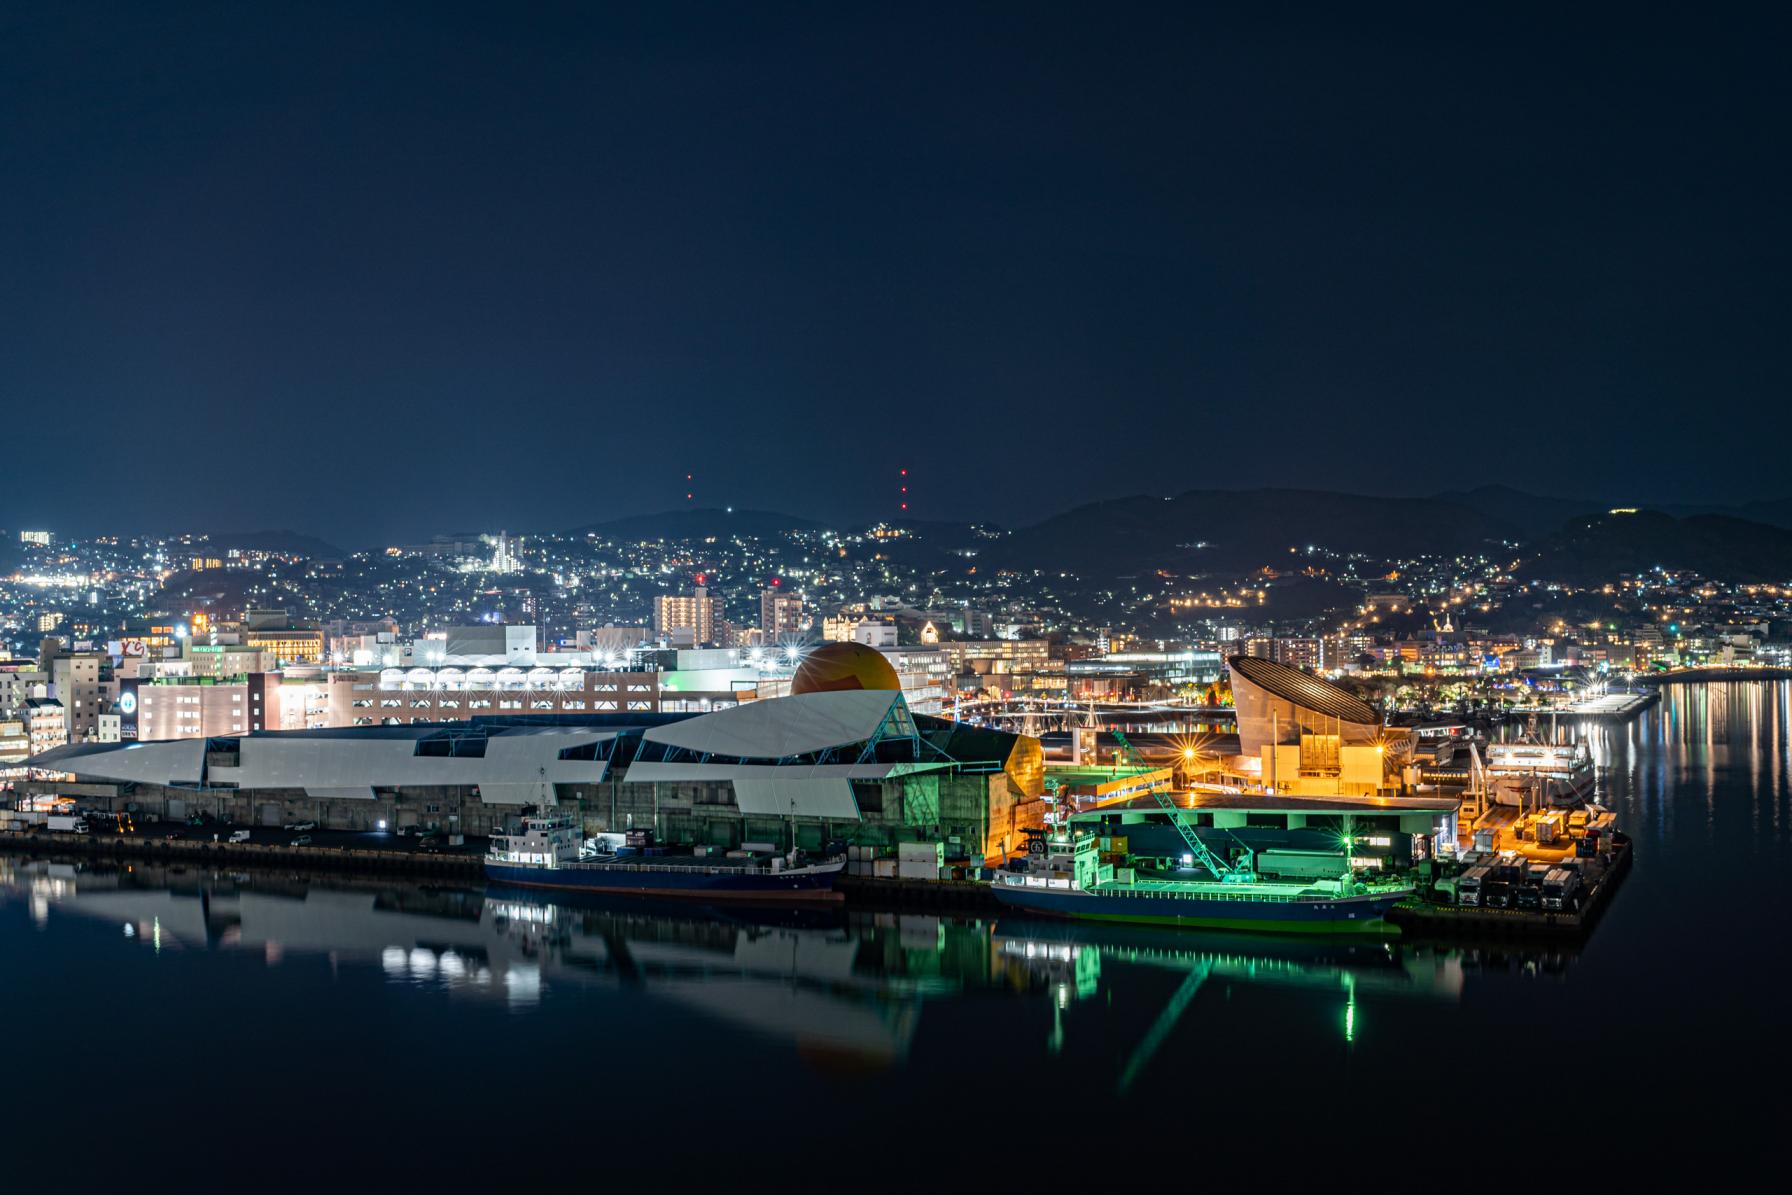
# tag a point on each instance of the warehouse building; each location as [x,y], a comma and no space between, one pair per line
[854,765]
[1284,837]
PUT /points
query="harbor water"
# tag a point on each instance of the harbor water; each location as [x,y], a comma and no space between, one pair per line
[225,1030]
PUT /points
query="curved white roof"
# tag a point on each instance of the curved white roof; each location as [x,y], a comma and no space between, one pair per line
[520,764]
[781,726]
[174,761]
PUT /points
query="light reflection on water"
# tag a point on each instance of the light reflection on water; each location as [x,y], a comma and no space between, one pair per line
[850,982]
[830,1020]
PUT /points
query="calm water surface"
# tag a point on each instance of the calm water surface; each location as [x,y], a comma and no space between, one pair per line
[185,1027]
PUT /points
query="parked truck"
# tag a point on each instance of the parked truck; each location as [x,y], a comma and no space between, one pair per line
[1561,889]
[1470,884]
[66,823]
[1503,883]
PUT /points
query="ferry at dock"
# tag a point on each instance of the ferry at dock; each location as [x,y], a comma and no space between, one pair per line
[551,851]
[1091,891]
[1529,774]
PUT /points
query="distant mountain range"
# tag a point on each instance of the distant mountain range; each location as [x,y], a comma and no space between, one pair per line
[1537,516]
[1230,532]
[698,523]
[293,542]
[1525,517]
[1776,512]
[1597,548]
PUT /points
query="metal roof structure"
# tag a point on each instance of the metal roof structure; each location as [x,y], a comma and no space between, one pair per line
[784,727]
[795,755]
[510,767]
[1305,690]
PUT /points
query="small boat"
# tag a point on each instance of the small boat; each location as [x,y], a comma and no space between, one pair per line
[551,851]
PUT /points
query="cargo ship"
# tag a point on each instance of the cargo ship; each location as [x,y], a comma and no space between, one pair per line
[1090,891]
[1258,907]
[551,851]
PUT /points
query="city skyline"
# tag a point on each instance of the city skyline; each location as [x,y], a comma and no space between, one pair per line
[938,595]
[438,273]
[1766,508]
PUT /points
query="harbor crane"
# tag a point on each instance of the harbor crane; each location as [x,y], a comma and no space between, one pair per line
[1222,870]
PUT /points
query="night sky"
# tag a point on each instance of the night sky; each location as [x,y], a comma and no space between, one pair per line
[378,270]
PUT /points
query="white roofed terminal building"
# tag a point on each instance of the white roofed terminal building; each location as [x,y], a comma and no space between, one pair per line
[850,765]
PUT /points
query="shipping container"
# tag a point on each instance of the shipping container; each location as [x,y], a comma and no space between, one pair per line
[931,853]
[1301,864]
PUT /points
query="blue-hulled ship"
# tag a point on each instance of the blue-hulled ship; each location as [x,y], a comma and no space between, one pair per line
[551,851]
[1083,888]
[1259,907]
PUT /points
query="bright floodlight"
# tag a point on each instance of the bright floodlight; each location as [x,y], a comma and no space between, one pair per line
[793,653]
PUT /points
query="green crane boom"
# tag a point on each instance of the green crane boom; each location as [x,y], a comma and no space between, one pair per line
[1221,870]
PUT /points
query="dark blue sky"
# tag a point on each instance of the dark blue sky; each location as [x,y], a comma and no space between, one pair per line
[377,270]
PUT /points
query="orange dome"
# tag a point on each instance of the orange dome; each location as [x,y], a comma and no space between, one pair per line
[835,666]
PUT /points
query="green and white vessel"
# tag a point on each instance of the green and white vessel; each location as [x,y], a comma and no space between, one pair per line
[1075,883]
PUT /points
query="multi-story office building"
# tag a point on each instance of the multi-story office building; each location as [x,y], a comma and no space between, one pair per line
[288,645]
[191,707]
[18,684]
[75,682]
[1301,652]
[998,656]
[694,616]
[44,723]
[780,614]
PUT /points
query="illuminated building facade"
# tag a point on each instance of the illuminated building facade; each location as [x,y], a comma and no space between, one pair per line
[780,613]
[1308,737]
[75,681]
[814,767]
[189,707]
[44,723]
[453,693]
[694,616]
[288,645]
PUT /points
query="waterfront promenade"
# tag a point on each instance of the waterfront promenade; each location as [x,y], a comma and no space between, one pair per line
[1619,706]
